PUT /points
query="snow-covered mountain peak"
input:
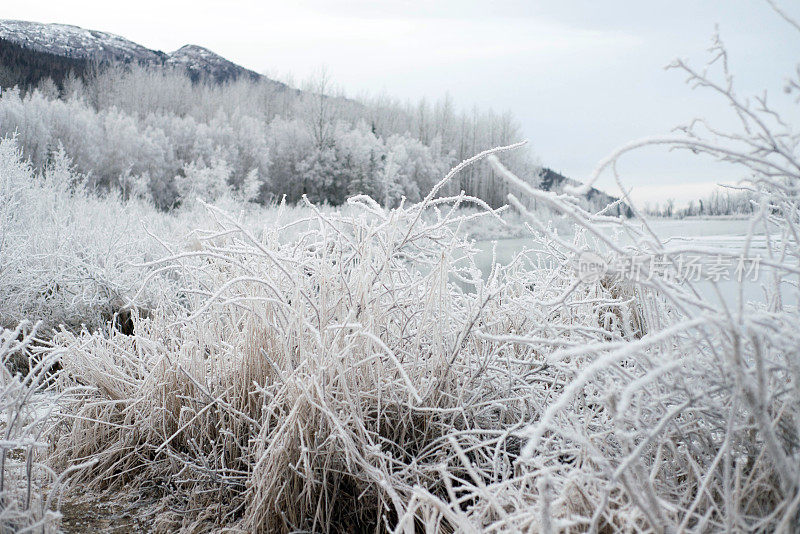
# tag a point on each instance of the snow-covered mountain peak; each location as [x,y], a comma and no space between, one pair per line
[197,59]
[73,41]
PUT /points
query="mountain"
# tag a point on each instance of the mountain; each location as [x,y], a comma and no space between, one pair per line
[74,42]
[199,61]
[26,67]
[551,180]
[66,48]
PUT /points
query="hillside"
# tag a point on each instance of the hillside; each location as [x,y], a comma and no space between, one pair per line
[75,42]
[63,48]
[551,180]
[199,62]
[26,67]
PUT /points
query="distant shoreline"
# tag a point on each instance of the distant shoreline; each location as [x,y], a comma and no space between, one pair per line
[732,217]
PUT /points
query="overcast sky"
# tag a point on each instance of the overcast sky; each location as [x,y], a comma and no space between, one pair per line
[582,77]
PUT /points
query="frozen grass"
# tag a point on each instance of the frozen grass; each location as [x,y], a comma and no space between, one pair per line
[25,407]
[312,385]
[70,258]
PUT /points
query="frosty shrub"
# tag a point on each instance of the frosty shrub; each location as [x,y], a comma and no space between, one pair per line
[66,256]
[339,381]
[693,426]
[72,258]
[25,408]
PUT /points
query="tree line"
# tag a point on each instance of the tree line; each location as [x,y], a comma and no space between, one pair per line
[719,202]
[156,133]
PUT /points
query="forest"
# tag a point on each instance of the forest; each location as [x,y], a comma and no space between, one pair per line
[153,132]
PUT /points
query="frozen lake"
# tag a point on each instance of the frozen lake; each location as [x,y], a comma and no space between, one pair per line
[725,234]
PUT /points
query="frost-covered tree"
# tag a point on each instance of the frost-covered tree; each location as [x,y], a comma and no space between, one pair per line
[125,121]
[205,182]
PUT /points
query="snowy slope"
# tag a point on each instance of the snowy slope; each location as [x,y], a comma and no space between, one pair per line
[75,42]
[78,43]
[198,60]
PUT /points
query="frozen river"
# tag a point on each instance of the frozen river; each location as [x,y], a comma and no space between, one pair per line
[724,234]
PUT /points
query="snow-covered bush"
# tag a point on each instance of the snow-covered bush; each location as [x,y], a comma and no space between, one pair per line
[70,257]
[206,182]
[67,256]
[332,382]
[694,423]
[25,408]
